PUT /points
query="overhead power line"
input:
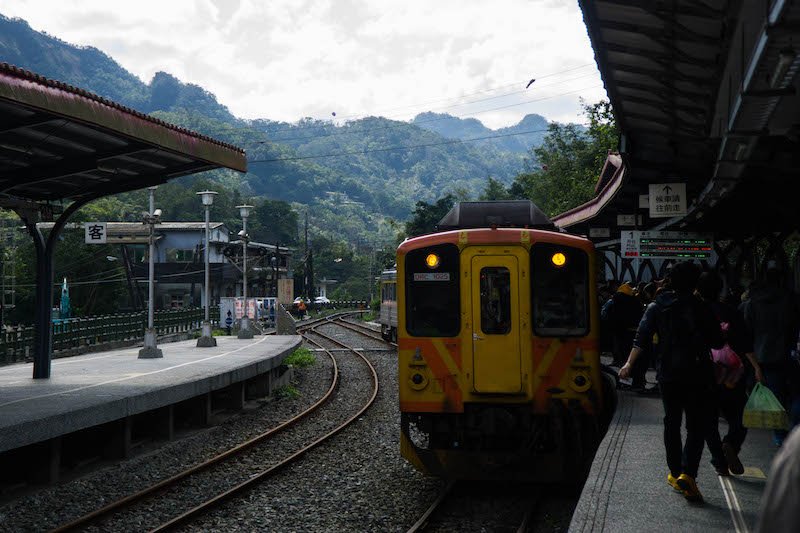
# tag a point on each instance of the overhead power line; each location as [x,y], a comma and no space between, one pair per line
[393,148]
[424,145]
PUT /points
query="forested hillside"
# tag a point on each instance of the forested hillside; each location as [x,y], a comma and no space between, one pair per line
[362,184]
[386,165]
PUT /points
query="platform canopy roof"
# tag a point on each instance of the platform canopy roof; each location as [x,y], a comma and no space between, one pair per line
[59,142]
[704,93]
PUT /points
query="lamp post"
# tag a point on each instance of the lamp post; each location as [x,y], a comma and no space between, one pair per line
[207,339]
[151,218]
[244,329]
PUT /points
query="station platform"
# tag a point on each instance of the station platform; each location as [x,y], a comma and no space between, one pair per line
[627,487]
[102,387]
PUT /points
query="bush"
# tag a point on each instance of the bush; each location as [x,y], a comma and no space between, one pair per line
[301,358]
[287,391]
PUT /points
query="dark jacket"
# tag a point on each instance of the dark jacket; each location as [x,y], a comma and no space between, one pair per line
[685,329]
[771,317]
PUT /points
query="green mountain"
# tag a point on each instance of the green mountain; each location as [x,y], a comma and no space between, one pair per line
[383,166]
[530,131]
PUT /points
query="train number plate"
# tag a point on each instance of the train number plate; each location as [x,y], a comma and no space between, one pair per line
[432,276]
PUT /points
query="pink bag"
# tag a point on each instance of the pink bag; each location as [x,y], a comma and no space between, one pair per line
[728,368]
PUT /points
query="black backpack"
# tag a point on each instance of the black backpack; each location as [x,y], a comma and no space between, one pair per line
[683,342]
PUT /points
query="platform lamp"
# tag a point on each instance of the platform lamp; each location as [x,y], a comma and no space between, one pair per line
[244,328]
[207,339]
[151,218]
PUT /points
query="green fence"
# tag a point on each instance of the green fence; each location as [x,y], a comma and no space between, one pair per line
[77,334]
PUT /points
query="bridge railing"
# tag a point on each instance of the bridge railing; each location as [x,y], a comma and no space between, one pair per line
[77,335]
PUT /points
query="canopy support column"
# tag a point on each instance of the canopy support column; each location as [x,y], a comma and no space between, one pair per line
[43,327]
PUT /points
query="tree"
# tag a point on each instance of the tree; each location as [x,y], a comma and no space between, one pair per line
[426,216]
[495,190]
[570,159]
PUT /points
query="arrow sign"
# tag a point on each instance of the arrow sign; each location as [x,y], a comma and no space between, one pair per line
[667,200]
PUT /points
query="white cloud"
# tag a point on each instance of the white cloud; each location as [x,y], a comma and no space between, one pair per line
[287,59]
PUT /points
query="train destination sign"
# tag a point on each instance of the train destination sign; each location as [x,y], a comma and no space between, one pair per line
[667,245]
[432,276]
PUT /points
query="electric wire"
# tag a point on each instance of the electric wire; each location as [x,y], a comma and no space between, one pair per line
[412,147]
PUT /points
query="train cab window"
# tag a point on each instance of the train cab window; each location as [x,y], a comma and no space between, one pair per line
[559,290]
[495,300]
[433,302]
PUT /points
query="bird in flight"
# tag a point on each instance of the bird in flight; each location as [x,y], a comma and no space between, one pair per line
[529,83]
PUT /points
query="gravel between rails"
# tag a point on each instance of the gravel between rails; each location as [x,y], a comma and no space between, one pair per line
[356,482]
[52,506]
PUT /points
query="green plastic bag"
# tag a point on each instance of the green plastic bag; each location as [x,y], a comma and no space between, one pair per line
[763,410]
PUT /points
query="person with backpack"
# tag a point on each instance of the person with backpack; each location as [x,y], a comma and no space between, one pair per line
[730,395]
[680,329]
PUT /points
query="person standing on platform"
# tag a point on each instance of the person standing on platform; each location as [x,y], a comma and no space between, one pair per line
[620,315]
[686,330]
[772,317]
[780,503]
[729,397]
[639,370]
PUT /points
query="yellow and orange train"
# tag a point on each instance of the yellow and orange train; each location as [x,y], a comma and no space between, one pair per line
[497,326]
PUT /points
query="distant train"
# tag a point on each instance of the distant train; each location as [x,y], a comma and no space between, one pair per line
[499,370]
[387,316]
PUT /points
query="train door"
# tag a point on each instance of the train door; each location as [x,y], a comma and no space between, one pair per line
[496,357]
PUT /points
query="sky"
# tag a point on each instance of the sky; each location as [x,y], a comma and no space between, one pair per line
[289,59]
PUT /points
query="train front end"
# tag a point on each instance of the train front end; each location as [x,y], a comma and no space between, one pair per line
[499,372]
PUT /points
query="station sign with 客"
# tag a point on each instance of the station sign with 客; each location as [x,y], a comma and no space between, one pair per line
[95,232]
[667,200]
[678,245]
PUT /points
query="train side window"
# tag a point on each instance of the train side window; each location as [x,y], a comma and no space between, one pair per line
[495,300]
[559,290]
[433,300]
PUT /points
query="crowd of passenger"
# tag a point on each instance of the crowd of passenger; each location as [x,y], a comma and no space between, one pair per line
[709,347]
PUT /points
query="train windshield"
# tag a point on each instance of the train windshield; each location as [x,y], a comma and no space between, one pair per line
[433,301]
[559,291]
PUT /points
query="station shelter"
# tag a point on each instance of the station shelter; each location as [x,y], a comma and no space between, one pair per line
[62,147]
[705,95]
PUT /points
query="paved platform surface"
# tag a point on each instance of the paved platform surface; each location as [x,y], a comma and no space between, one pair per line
[92,389]
[627,488]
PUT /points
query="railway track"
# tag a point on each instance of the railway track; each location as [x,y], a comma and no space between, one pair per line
[246,454]
[460,506]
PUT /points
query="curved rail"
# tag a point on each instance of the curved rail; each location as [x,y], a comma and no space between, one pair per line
[422,523]
[144,493]
[185,517]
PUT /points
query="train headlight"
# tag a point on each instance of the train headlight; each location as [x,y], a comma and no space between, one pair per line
[559,259]
[580,381]
[432,260]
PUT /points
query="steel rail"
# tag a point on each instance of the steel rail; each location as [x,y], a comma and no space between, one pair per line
[422,523]
[144,493]
[185,517]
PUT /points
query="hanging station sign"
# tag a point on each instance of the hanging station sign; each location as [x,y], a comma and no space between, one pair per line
[667,200]
[679,245]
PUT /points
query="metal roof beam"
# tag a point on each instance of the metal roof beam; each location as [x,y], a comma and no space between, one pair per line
[698,10]
[659,75]
[661,58]
[662,104]
[70,167]
[10,127]
[661,35]
[670,92]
